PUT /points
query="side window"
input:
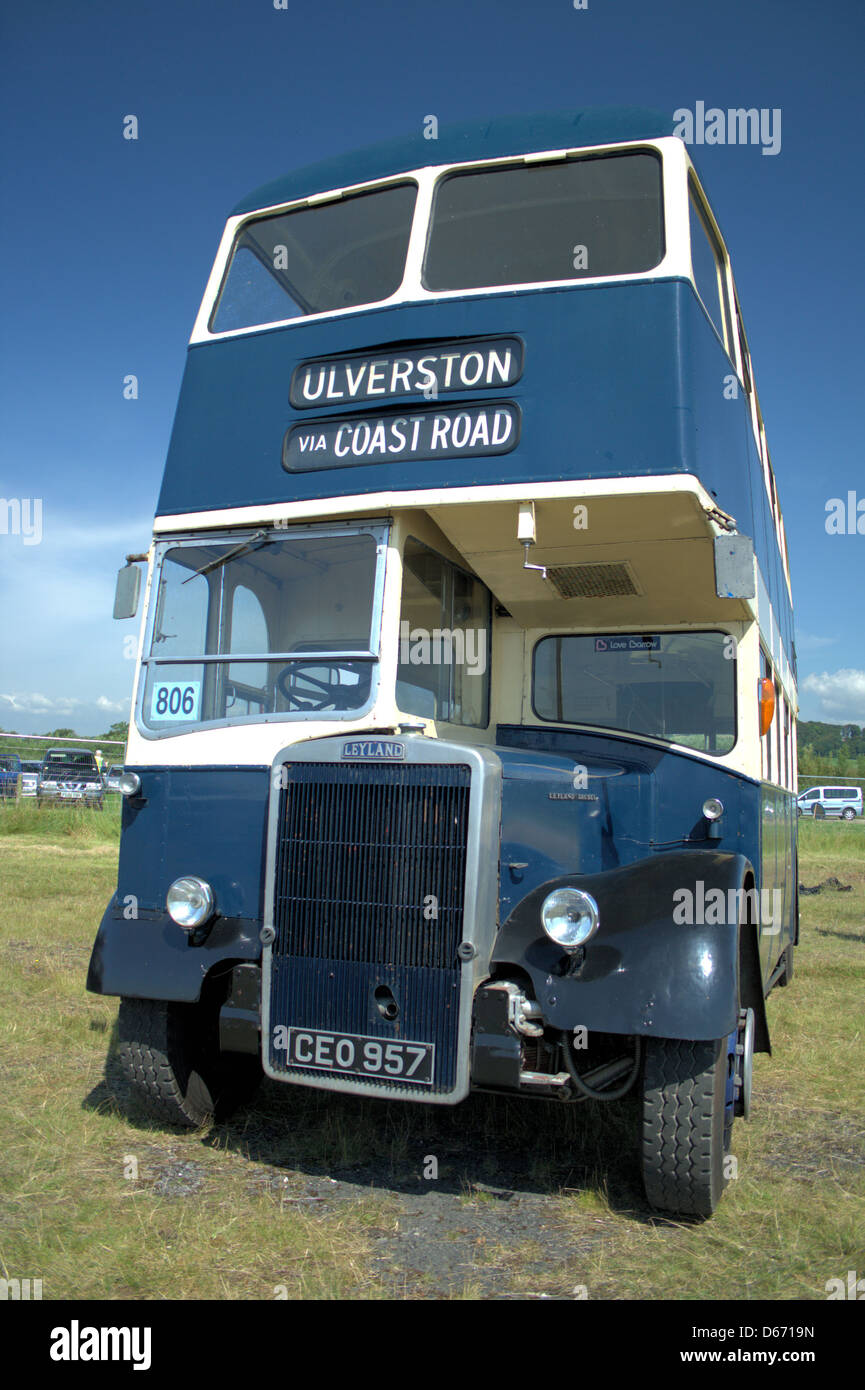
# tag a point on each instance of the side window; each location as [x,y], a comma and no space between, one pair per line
[707,263]
[788,771]
[782,734]
[443,670]
[743,349]
[766,740]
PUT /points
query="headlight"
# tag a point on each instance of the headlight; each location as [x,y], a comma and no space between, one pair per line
[569,917]
[128,783]
[189,902]
[713,809]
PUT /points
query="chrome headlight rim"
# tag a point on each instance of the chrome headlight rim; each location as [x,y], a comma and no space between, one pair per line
[128,783]
[190,902]
[570,917]
[713,808]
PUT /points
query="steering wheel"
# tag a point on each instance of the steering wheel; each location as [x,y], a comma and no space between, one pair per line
[330,690]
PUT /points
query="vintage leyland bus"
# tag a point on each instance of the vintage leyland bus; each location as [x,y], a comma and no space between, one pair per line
[463,741]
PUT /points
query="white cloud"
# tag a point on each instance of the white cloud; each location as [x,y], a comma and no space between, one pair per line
[809,642]
[34,703]
[841,695]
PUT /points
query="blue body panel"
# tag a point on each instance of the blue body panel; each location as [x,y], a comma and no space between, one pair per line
[646,802]
[620,380]
[634,838]
[208,821]
[650,807]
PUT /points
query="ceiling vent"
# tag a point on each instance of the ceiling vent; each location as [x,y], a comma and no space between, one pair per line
[593,581]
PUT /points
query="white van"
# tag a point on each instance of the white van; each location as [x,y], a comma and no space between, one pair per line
[845,802]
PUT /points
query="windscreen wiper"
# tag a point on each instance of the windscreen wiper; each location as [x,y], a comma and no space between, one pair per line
[260,538]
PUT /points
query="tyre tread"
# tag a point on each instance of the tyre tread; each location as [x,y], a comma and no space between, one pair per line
[682,1171]
[153,1039]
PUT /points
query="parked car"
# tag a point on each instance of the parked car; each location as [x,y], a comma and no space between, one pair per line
[29,777]
[820,802]
[10,776]
[70,775]
[112,775]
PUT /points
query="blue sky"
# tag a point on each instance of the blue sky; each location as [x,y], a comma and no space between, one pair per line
[107,243]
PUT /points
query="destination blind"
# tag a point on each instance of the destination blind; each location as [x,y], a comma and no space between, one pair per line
[430,370]
[347,441]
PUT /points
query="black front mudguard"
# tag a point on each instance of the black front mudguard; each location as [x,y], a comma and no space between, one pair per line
[149,957]
[646,971]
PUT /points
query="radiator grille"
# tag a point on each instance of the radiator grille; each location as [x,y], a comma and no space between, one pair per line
[369,890]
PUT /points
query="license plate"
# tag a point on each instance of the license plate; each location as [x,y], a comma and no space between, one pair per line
[72,792]
[351,1054]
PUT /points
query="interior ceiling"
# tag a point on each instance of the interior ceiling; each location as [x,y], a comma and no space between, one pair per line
[665,539]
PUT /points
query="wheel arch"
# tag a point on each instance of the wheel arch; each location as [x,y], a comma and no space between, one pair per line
[750,977]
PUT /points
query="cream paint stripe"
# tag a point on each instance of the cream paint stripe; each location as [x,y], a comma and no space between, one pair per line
[365,504]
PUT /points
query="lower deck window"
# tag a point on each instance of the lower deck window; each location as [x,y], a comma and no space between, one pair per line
[677,686]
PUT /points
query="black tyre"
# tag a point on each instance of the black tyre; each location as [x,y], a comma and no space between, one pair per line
[848,813]
[169,1055]
[684,1099]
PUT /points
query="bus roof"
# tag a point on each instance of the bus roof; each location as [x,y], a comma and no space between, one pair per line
[489,139]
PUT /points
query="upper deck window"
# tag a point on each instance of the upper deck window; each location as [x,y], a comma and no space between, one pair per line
[707,263]
[571,219]
[336,255]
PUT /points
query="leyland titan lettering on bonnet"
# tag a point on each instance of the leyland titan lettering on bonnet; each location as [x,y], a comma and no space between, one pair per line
[466,667]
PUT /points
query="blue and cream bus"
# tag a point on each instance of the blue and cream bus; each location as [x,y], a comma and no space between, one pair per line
[463,744]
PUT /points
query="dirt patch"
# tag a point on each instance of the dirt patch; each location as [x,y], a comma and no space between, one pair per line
[437,1243]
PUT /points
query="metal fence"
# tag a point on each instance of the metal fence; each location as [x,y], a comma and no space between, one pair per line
[33,747]
[828,779]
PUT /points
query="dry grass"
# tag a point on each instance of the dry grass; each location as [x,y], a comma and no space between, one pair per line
[100,1203]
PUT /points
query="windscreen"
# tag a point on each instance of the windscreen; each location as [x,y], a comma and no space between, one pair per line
[262,626]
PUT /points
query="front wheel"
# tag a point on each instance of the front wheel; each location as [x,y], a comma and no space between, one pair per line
[686,1121]
[170,1057]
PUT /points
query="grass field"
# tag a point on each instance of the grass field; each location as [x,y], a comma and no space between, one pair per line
[309,1196]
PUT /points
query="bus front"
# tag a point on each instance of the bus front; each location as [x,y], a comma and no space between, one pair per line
[448,645]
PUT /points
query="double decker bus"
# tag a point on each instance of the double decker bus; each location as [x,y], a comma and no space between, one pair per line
[463,740]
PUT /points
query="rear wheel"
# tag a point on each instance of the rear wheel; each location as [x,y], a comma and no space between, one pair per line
[687,1117]
[170,1056]
[848,813]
